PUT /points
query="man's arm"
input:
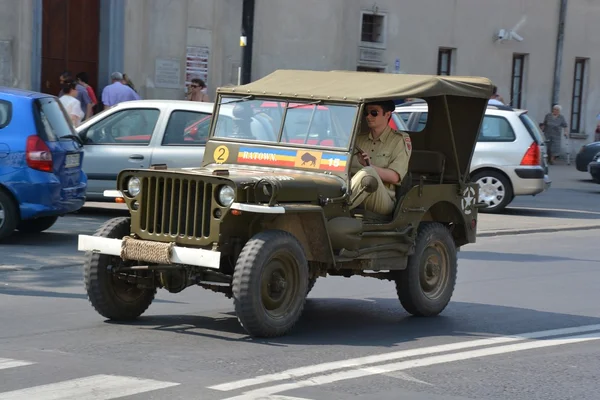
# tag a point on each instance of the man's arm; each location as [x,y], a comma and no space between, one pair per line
[387,175]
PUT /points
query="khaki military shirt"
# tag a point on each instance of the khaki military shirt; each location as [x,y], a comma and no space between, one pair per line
[391,150]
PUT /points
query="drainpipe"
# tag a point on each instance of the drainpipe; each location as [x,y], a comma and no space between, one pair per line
[246,41]
[559,52]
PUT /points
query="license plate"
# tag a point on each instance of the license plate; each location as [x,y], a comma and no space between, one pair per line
[72,160]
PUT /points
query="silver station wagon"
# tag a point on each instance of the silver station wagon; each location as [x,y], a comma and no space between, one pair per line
[138,134]
[510,156]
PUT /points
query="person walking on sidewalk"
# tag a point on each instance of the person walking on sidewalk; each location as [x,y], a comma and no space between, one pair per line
[554,127]
[117,92]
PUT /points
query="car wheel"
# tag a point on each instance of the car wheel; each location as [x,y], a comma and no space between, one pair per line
[270,282]
[9,215]
[36,225]
[495,190]
[426,285]
[114,297]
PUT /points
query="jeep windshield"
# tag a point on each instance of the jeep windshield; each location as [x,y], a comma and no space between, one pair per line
[297,124]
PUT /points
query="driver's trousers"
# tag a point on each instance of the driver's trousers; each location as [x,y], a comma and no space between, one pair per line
[381,201]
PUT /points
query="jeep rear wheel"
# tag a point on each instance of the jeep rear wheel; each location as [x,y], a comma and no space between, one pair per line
[426,285]
[270,283]
[112,297]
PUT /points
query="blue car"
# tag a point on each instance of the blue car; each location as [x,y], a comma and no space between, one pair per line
[40,162]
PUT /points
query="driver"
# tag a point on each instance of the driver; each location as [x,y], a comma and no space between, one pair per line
[382,153]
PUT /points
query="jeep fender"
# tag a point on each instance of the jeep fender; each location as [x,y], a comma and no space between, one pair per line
[307,223]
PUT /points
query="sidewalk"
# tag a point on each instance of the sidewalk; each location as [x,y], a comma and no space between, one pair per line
[536,221]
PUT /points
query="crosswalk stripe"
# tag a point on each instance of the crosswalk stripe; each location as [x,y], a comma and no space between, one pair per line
[296,373]
[404,365]
[6,363]
[96,387]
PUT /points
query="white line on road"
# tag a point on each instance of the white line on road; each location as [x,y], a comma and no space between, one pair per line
[404,365]
[6,363]
[357,362]
[97,387]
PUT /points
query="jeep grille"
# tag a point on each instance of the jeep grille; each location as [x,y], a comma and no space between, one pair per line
[176,207]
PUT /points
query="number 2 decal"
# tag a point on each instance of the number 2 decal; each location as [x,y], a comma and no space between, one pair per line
[221,154]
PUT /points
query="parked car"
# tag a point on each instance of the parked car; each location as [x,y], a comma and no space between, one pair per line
[40,162]
[594,168]
[510,156]
[586,155]
[138,134]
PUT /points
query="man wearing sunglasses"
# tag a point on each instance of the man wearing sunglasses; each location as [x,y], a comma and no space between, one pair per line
[382,153]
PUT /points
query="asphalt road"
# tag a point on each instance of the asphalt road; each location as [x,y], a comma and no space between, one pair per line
[523,324]
[52,341]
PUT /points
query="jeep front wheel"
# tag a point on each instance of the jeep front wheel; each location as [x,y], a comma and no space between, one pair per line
[112,297]
[426,285]
[270,283]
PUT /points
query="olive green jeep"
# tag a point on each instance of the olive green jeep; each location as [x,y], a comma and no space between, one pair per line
[267,212]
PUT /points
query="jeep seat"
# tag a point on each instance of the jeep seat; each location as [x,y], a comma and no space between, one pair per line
[429,165]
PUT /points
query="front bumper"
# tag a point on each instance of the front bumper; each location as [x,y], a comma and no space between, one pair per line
[179,255]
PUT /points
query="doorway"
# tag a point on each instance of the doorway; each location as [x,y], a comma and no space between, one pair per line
[70,41]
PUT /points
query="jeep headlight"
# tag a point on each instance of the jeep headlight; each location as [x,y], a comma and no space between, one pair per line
[133,186]
[226,196]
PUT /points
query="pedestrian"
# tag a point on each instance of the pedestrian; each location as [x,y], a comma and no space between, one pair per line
[495,98]
[554,127]
[83,80]
[197,91]
[82,94]
[70,102]
[128,82]
[117,92]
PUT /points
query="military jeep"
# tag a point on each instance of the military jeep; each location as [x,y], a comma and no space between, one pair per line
[267,212]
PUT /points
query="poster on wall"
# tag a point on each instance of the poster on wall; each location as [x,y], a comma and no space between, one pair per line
[167,73]
[196,63]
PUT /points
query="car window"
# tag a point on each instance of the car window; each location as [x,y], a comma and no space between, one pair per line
[187,128]
[5,113]
[323,125]
[533,128]
[404,116]
[496,129]
[52,120]
[131,126]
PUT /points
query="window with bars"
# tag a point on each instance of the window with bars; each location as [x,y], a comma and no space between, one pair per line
[372,28]
[576,100]
[444,61]
[516,89]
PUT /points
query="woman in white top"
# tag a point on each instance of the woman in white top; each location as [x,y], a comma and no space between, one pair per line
[70,102]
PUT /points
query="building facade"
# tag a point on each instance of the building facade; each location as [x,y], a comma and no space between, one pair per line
[162,44]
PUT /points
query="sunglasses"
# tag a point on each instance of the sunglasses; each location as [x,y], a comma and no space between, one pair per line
[194,86]
[373,113]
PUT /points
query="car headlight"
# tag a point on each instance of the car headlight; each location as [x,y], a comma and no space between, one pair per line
[226,196]
[133,186]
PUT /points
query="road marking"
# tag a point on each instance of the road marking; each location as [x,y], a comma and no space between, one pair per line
[96,387]
[6,363]
[404,365]
[357,362]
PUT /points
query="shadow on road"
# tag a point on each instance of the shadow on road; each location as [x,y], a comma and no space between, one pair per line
[546,213]
[44,239]
[373,322]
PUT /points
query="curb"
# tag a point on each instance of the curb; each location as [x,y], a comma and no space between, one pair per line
[538,230]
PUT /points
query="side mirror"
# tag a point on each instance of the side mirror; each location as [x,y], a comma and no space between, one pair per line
[369,183]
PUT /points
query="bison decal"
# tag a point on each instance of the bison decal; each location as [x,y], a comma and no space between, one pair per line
[309,158]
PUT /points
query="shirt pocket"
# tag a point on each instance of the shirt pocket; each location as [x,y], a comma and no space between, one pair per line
[382,159]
